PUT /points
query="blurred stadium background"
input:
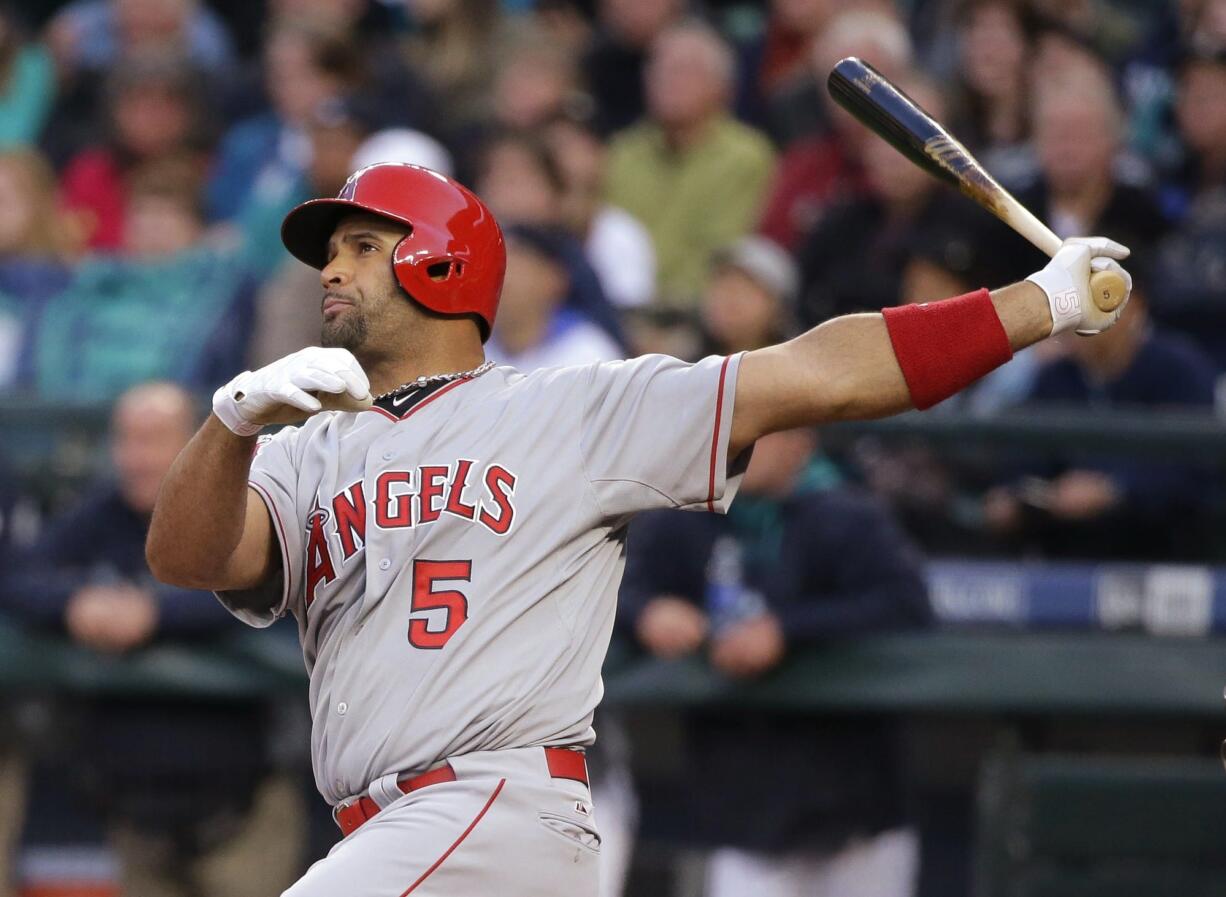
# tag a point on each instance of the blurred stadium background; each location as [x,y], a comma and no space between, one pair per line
[974,651]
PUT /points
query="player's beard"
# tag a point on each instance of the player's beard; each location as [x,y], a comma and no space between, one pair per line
[345,331]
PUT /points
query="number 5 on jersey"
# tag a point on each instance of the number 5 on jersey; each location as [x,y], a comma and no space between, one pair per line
[427,597]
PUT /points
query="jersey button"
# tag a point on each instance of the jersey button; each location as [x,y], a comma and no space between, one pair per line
[342,708]
[385,564]
[387,456]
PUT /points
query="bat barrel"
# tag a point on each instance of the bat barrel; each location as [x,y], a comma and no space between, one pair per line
[884,109]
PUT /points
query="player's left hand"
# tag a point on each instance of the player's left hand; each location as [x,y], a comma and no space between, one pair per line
[749,647]
[1066,281]
[291,389]
[111,618]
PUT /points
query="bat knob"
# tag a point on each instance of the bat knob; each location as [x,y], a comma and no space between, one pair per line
[1108,290]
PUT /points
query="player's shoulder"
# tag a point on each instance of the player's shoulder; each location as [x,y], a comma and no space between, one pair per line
[586,375]
[506,383]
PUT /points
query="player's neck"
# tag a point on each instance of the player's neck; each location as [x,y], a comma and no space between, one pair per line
[387,373]
[385,378]
[420,347]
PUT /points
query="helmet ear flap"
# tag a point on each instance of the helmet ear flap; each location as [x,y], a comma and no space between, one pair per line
[423,270]
[444,270]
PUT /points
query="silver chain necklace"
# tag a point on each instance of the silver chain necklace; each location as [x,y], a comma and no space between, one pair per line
[426,380]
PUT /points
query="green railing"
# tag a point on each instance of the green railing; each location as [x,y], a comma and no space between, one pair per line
[932,672]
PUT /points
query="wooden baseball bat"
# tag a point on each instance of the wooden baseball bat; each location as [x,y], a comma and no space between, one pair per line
[887,111]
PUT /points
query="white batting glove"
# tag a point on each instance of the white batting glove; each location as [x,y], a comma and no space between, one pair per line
[282,392]
[1066,281]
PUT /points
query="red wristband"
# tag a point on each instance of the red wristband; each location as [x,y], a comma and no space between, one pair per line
[943,347]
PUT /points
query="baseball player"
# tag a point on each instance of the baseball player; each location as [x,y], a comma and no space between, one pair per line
[452,552]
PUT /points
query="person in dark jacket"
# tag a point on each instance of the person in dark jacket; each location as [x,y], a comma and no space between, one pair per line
[792,804]
[191,802]
[13,765]
[1155,510]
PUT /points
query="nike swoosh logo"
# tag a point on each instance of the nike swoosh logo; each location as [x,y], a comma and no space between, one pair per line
[397,402]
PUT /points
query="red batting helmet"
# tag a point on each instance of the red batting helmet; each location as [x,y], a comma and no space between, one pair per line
[453,259]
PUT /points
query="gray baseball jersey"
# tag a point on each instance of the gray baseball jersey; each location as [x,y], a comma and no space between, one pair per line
[454,571]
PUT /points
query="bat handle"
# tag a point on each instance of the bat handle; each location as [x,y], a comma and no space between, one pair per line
[1107,289]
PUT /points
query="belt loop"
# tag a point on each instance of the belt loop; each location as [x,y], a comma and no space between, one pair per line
[384,790]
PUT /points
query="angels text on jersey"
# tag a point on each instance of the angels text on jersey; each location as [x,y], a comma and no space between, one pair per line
[336,529]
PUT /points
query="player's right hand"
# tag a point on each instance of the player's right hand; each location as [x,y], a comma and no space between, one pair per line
[292,389]
[1066,281]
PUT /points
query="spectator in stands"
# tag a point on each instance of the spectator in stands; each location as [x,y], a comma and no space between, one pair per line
[336,129]
[615,63]
[749,302]
[165,214]
[522,183]
[1109,32]
[403,145]
[153,112]
[27,85]
[13,765]
[750,298]
[454,44]
[779,54]
[1151,509]
[191,802]
[616,243]
[536,81]
[801,107]
[261,161]
[820,169]
[1206,26]
[1189,288]
[567,23]
[170,308]
[388,74]
[854,259]
[1201,121]
[798,562]
[12,802]
[520,179]
[36,241]
[691,174]
[89,36]
[991,109]
[535,327]
[1078,133]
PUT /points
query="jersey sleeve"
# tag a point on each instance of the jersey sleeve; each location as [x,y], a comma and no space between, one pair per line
[655,434]
[274,478]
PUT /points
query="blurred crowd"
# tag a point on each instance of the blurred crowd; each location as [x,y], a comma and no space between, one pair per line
[671,178]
